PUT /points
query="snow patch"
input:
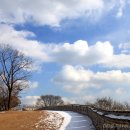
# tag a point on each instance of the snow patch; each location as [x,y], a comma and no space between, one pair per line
[118,117]
[50,120]
[67,119]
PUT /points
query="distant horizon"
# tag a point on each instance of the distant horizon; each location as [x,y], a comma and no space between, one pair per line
[80,49]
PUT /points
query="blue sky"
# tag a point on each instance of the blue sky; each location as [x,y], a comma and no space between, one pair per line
[80,49]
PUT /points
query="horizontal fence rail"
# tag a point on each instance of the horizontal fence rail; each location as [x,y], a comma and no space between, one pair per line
[102,120]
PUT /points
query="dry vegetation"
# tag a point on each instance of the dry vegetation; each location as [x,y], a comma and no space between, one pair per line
[26,120]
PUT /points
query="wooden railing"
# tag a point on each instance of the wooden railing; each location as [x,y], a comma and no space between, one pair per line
[99,117]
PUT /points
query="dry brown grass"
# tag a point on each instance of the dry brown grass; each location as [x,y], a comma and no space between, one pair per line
[19,120]
[30,120]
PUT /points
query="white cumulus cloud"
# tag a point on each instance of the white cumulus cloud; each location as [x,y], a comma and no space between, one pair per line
[30,100]
[79,99]
[78,53]
[20,40]
[125,47]
[47,12]
[77,79]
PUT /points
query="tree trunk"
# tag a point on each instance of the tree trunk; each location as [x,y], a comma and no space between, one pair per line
[9,100]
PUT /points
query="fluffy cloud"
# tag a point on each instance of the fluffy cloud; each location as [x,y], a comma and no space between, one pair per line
[69,100]
[33,85]
[89,99]
[119,61]
[47,12]
[78,53]
[52,13]
[120,91]
[76,79]
[21,40]
[125,47]
[121,8]
[79,100]
[30,100]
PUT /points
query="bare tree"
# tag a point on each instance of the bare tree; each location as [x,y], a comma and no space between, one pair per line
[3,98]
[127,106]
[104,103]
[49,100]
[13,71]
[118,106]
[110,104]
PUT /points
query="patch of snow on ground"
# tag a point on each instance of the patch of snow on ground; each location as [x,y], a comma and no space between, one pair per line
[112,115]
[118,117]
[50,121]
[66,121]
